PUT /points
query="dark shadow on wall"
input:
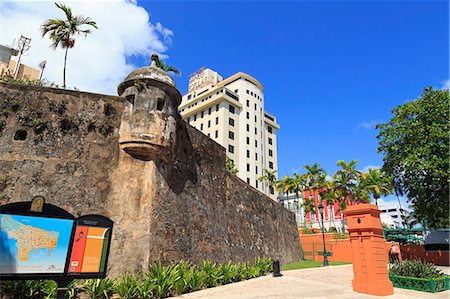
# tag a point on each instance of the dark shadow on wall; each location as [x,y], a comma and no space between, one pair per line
[182,168]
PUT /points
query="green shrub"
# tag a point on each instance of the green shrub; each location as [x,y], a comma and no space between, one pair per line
[146,288]
[26,289]
[100,288]
[195,280]
[417,269]
[158,282]
[127,287]
[164,279]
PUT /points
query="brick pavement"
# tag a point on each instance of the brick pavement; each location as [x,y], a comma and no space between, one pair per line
[330,282]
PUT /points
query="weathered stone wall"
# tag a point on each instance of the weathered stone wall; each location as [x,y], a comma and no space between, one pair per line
[190,208]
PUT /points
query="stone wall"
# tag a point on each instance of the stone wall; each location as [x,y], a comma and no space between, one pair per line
[189,208]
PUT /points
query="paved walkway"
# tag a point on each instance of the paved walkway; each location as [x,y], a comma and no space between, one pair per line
[330,282]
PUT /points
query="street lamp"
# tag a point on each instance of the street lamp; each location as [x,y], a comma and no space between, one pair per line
[325,257]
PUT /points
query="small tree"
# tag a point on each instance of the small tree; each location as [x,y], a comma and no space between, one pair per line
[269,177]
[165,67]
[62,32]
[230,167]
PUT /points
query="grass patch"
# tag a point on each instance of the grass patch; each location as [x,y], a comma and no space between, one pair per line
[309,264]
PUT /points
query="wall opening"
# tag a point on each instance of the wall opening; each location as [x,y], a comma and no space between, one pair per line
[160,104]
[130,98]
[20,135]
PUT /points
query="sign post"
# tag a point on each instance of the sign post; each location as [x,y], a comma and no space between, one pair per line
[43,241]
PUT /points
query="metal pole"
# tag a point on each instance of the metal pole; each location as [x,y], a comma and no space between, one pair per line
[24,44]
[325,257]
[61,291]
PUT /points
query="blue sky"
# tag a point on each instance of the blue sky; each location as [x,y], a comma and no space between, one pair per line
[330,69]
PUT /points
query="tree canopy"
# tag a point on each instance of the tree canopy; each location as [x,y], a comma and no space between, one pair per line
[415,144]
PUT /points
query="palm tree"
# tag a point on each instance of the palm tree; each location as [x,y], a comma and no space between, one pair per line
[329,195]
[315,180]
[345,188]
[287,185]
[269,177]
[377,184]
[165,67]
[62,32]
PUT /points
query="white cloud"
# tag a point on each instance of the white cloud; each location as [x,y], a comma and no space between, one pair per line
[368,124]
[97,63]
[446,84]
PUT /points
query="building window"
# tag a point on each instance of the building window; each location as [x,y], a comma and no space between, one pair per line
[195,117]
[256,131]
[248,92]
[189,97]
[270,140]
[209,124]
[248,128]
[256,107]
[256,143]
[236,91]
[201,127]
[248,103]
[231,135]
[256,156]
[256,120]
[231,149]
[270,153]
[251,93]
[248,167]
[248,180]
[248,154]
[209,110]
[217,107]
[256,183]
[256,169]
[248,115]
[216,134]
[231,108]
[248,140]
[201,115]
[269,129]
[272,191]
[209,135]
[270,165]
[217,120]
[189,120]
[231,122]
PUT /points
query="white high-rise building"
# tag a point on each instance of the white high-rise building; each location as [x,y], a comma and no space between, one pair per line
[231,112]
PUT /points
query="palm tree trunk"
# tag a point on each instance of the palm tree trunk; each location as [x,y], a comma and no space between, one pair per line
[64,71]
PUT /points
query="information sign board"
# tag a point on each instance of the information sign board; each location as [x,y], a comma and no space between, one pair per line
[42,241]
[33,245]
[90,245]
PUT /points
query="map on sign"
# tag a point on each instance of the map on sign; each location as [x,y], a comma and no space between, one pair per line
[33,244]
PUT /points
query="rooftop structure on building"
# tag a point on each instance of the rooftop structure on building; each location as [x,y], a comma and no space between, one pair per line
[231,112]
[8,66]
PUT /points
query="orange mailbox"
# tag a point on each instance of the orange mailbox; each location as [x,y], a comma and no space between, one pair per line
[369,250]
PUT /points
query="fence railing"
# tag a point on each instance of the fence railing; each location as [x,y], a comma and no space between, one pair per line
[310,250]
[431,285]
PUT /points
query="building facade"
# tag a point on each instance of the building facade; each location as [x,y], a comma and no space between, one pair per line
[332,216]
[231,112]
[8,65]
